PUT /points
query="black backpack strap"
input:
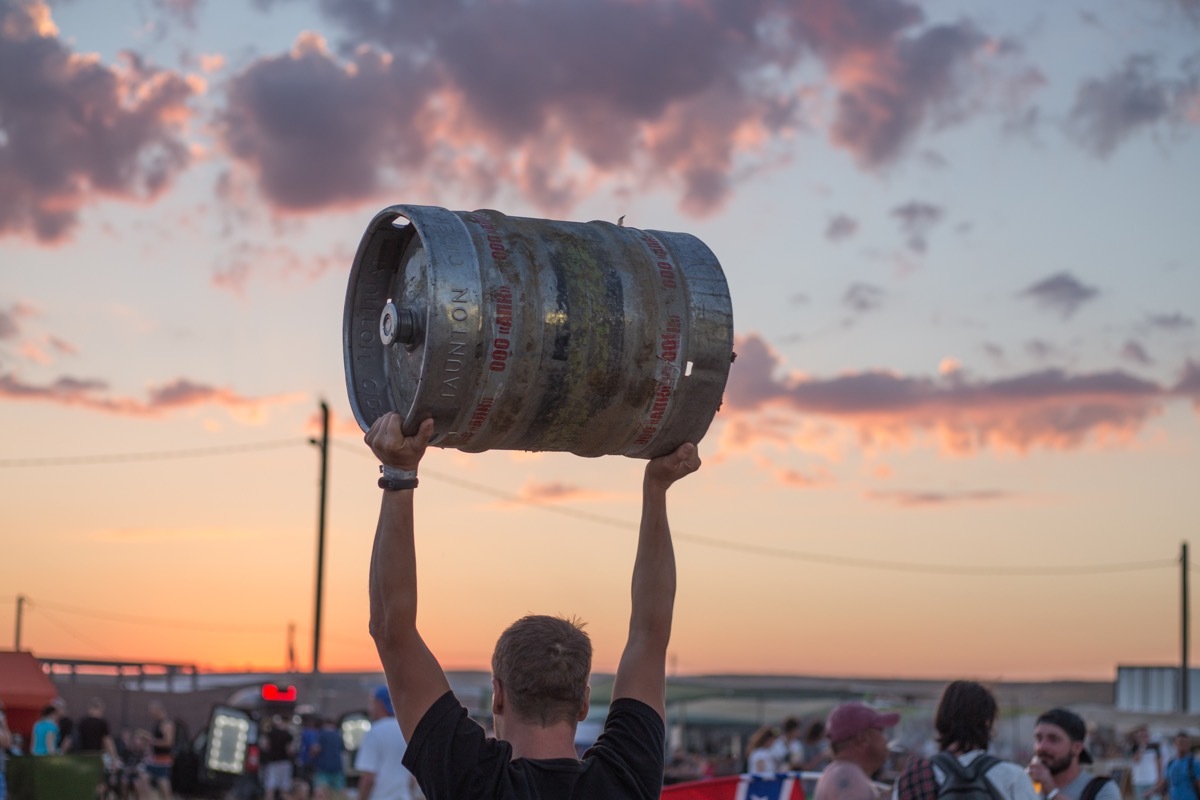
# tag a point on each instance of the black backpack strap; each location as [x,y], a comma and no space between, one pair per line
[968,774]
[1093,787]
[949,765]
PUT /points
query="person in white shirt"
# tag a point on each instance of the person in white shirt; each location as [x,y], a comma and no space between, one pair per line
[1145,758]
[380,775]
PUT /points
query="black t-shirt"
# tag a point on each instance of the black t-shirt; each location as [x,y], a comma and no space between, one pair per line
[453,759]
[278,741]
[92,731]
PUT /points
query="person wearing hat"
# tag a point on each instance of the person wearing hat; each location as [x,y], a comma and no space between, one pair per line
[860,747]
[1059,760]
[380,774]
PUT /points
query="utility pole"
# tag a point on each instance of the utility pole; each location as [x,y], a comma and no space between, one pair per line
[1184,671]
[323,443]
[20,614]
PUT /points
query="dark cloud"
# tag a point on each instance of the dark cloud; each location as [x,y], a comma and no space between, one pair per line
[94,395]
[1062,293]
[1110,110]
[1047,408]
[554,491]
[316,131]
[551,97]
[75,129]
[1134,352]
[919,499]
[183,11]
[1171,322]
[893,77]
[1041,349]
[916,220]
[862,297]
[841,227]
[1189,382]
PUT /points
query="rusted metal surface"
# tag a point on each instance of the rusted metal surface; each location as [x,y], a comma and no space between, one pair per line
[530,334]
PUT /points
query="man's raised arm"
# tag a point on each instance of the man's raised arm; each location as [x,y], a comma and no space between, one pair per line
[415,679]
[642,673]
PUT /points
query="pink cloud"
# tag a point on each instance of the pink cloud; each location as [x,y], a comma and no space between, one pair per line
[94,395]
[76,129]
[1043,409]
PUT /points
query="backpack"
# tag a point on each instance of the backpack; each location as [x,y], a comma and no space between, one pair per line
[1093,787]
[969,782]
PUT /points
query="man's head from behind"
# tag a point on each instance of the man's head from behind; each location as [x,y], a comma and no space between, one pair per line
[540,668]
[964,718]
[856,733]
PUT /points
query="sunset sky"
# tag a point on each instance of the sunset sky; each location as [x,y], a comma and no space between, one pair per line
[961,438]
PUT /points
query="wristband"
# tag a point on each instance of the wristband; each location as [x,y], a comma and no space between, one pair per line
[1053,793]
[394,479]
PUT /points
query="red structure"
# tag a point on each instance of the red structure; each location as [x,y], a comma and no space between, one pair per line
[24,689]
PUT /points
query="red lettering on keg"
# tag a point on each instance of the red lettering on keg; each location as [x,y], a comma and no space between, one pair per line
[504,310]
[494,240]
[499,355]
[478,417]
[658,409]
[669,339]
[666,270]
[667,273]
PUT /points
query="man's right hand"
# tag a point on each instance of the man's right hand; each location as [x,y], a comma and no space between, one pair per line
[665,470]
[389,444]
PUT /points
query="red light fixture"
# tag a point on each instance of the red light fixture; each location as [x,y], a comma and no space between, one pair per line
[273,694]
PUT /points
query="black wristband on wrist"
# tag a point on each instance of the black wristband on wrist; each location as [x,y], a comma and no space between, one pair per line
[396,484]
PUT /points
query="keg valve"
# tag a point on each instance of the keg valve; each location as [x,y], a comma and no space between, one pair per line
[397,325]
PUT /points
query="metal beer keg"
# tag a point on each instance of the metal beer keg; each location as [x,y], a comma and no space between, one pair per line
[532,334]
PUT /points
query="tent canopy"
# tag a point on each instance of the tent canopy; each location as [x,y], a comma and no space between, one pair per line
[23,685]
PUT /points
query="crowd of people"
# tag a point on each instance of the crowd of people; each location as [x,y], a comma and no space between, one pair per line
[856,760]
[137,763]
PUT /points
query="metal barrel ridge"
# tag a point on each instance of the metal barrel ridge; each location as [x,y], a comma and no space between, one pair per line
[531,334]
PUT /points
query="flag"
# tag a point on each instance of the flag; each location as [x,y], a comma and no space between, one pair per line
[780,786]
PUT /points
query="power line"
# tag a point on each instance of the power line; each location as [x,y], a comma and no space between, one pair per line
[801,555]
[163,623]
[96,648]
[156,455]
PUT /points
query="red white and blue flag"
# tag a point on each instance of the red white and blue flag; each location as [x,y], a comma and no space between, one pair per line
[781,786]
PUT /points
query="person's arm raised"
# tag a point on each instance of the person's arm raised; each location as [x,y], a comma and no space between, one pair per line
[415,678]
[642,672]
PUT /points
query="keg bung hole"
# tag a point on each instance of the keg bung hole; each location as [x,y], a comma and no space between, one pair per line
[687,370]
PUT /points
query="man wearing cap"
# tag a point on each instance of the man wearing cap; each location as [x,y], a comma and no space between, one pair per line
[380,775]
[1059,759]
[860,748]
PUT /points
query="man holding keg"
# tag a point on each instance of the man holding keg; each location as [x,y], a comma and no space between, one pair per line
[540,666]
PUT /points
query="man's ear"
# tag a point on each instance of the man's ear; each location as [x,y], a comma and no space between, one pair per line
[497,697]
[587,703]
